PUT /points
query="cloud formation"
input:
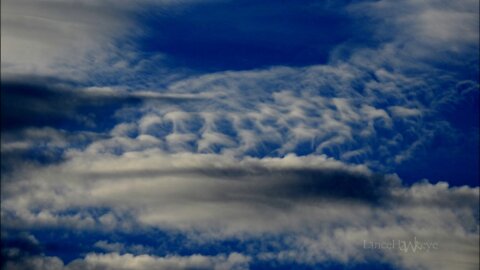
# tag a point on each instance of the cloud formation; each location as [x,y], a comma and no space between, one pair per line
[265,145]
[302,200]
[116,261]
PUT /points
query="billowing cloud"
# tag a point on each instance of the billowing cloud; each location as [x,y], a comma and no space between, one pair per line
[302,200]
[136,137]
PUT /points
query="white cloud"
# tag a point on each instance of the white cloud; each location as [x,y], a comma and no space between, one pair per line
[404,112]
[151,170]
[87,41]
[42,37]
[115,261]
[211,196]
[333,108]
[110,247]
[419,32]
[278,110]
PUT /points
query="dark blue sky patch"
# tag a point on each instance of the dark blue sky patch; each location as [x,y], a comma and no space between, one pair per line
[236,35]
[452,155]
[455,162]
[42,155]
[69,245]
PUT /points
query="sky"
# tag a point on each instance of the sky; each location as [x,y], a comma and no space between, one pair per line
[239,134]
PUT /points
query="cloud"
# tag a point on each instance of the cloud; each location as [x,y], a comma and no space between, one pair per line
[332,109]
[295,163]
[112,247]
[83,41]
[44,102]
[51,37]
[300,200]
[404,112]
[421,34]
[92,261]
[316,109]
[259,113]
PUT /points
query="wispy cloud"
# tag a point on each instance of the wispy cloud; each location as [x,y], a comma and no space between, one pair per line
[261,134]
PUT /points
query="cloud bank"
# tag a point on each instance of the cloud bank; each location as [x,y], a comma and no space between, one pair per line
[182,135]
[320,208]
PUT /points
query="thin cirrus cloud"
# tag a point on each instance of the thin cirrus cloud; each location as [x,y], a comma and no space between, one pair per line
[239,135]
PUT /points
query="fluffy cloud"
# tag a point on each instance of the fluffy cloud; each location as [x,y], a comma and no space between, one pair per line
[212,156]
[321,208]
[92,261]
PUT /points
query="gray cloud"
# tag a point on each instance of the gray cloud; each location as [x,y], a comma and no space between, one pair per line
[180,160]
[44,102]
[208,196]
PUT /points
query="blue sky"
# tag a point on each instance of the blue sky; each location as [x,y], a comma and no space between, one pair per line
[247,34]
[239,134]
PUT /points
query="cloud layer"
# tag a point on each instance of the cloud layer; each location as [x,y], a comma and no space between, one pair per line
[182,135]
[321,209]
